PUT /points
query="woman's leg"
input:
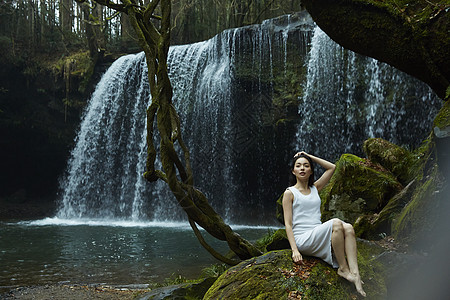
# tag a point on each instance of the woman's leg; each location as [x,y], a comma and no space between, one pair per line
[338,244]
[352,255]
[343,242]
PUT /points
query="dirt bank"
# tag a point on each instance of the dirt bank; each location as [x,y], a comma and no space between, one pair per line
[75,292]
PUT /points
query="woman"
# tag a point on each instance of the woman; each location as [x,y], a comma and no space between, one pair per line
[306,233]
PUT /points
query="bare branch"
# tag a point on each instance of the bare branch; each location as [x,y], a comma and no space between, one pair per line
[210,249]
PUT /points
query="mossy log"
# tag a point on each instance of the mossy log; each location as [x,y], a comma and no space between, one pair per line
[411,35]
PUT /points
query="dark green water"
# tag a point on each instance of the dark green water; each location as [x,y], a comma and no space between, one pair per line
[52,251]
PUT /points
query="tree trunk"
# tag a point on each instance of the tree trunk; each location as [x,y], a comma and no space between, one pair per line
[176,172]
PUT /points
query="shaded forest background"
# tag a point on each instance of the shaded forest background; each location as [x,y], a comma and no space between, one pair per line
[53,53]
[49,26]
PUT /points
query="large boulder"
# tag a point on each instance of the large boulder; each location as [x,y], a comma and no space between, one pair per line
[378,225]
[392,157]
[358,187]
[275,276]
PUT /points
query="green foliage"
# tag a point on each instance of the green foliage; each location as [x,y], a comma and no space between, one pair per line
[176,279]
[412,11]
[214,270]
[442,119]
[265,240]
[193,23]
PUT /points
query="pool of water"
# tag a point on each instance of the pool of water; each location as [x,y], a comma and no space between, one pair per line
[110,252]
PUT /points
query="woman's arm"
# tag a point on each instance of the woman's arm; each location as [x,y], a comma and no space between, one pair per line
[326,176]
[288,199]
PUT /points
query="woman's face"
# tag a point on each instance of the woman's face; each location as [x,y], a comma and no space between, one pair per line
[302,169]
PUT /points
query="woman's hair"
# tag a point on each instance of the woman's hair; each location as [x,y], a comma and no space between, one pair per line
[293,179]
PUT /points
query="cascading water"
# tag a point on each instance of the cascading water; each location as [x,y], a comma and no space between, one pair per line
[104,177]
[238,97]
[349,98]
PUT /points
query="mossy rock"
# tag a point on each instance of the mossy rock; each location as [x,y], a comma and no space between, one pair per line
[377,226]
[278,241]
[358,187]
[275,276]
[392,157]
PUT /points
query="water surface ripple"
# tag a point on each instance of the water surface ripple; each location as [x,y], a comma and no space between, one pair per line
[92,251]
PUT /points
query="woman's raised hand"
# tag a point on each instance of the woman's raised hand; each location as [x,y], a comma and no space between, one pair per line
[300,153]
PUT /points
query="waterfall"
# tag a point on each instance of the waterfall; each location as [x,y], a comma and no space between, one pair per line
[104,174]
[243,97]
[349,98]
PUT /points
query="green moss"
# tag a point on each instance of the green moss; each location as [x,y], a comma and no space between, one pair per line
[357,187]
[76,65]
[262,242]
[274,276]
[419,216]
[278,241]
[392,157]
[252,279]
[442,119]
[377,226]
[279,209]
[411,11]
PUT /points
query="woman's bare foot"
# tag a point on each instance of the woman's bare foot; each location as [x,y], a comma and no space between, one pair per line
[345,274]
[353,278]
[358,284]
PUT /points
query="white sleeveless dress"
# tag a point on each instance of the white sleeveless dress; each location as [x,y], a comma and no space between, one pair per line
[313,238]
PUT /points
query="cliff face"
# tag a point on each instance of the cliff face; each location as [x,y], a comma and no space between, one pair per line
[410,35]
[41,100]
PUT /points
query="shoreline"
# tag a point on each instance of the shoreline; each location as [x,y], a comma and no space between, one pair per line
[76,291]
